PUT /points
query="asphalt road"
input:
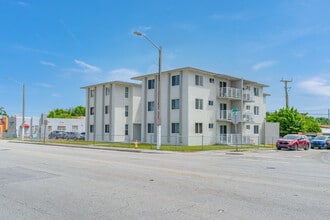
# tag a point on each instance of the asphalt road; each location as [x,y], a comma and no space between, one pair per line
[52,182]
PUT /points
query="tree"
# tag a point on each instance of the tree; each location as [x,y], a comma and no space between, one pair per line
[67,113]
[322,121]
[291,121]
[2,111]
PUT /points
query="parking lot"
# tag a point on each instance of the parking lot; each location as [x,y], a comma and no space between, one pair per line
[52,182]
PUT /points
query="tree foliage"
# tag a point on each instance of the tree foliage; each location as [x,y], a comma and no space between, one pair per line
[67,113]
[2,111]
[322,121]
[291,121]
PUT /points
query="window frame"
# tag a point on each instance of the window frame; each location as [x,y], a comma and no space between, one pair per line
[176,80]
[151,83]
[151,106]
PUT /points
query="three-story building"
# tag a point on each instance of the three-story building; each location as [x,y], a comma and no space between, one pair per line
[196,107]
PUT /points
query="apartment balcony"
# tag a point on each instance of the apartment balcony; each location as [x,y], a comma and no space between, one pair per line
[228,116]
[248,96]
[230,93]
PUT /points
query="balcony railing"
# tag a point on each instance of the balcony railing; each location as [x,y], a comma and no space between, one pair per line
[229,92]
[228,115]
[248,96]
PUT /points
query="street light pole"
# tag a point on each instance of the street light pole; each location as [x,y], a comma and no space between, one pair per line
[23,110]
[159,124]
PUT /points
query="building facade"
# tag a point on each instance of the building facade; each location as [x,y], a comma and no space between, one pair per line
[113,111]
[196,107]
[39,127]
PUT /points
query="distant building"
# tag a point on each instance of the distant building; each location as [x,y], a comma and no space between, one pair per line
[197,107]
[3,125]
[38,127]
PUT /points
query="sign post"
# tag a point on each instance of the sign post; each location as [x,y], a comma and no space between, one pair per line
[235,121]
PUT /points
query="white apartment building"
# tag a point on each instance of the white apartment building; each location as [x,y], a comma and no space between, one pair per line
[113,111]
[196,107]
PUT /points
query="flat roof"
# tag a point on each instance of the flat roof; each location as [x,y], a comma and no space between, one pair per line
[113,82]
[228,77]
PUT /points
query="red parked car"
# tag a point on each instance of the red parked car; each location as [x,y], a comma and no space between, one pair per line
[293,142]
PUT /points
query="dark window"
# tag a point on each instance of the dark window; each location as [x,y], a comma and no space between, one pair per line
[126,92]
[151,84]
[175,103]
[151,106]
[126,110]
[198,128]
[175,128]
[91,128]
[211,80]
[256,129]
[175,80]
[199,80]
[151,128]
[211,125]
[92,111]
[211,103]
[126,129]
[106,109]
[106,128]
[199,104]
[256,91]
[256,110]
[92,93]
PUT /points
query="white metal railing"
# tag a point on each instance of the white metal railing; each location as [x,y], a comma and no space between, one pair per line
[228,115]
[233,139]
[248,95]
[229,92]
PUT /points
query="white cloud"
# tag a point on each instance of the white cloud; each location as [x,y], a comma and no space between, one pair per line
[47,63]
[87,68]
[316,86]
[56,95]
[45,85]
[121,74]
[22,4]
[264,64]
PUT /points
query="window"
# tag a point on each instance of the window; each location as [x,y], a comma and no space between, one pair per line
[151,128]
[106,109]
[92,93]
[107,128]
[198,80]
[151,106]
[126,110]
[211,80]
[247,107]
[198,128]
[151,83]
[199,104]
[256,129]
[175,80]
[175,103]
[256,110]
[248,127]
[74,127]
[61,128]
[211,125]
[175,128]
[256,91]
[126,92]
[126,129]
[91,128]
[210,102]
[107,91]
[92,111]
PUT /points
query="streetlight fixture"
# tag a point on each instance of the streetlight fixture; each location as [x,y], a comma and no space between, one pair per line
[159,126]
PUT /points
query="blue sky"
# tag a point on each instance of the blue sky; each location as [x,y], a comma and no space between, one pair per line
[56,47]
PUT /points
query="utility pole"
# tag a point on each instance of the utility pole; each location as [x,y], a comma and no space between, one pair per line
[286,91]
